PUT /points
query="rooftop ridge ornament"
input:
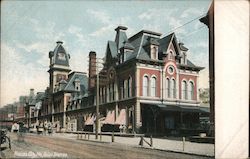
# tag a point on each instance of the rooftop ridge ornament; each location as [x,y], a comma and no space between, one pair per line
[59,42]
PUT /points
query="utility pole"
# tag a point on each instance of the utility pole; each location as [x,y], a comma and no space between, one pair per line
[97,104]
[97,99]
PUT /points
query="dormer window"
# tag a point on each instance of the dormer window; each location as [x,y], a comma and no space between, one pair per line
[77,84]
[154,53]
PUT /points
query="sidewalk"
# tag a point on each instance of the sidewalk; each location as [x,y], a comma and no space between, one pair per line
[160,144]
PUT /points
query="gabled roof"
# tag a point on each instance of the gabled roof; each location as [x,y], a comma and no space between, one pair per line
[164,42]
[112,48]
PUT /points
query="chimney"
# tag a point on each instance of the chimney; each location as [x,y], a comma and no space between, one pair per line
[121,36]
[92,69]
[32,92]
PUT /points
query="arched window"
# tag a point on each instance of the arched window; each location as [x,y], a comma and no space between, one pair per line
[153,53]
[125,89]
[191,91]
[168,88]
[153,87]
[129,87]
[145,86]
[184,90]
[173,87]
[171,55]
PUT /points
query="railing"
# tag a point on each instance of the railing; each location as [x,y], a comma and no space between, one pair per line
[150,143]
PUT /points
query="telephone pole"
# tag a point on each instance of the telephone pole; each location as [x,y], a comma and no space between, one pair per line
[98,68]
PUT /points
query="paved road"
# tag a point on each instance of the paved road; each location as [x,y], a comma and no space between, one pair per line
[51,146]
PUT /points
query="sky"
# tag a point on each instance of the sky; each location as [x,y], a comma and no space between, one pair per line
[30,29]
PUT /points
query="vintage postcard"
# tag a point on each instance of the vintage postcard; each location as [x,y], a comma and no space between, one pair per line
[107,79]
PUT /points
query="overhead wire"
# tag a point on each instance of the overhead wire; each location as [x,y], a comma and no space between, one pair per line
[186,23]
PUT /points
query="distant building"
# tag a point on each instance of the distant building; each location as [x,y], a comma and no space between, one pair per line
[64,88]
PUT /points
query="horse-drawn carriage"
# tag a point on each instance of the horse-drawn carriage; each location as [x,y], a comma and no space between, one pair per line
[4,137]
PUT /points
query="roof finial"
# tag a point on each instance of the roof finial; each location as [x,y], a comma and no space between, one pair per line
[59,42]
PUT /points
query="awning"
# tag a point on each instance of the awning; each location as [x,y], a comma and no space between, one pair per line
[90,120]
[168,107]
[121,120]
[110,118]
[180,108]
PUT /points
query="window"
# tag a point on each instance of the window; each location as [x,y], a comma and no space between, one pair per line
[125,91]
[107,93]
[173,87]
[191,91]
[104,94]
[153,86]
[145,86]
[113,91]
[129,87]
[184,90]
[170,55]
[154,53]
[168,87]
[100,95]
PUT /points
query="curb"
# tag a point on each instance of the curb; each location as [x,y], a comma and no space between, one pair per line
[187,153]
[152,148]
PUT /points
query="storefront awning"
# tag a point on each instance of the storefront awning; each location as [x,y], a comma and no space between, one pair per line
[121,120]
[110,118]
[90,120]
[180,108]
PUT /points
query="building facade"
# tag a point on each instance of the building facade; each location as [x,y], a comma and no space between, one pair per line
[148,85]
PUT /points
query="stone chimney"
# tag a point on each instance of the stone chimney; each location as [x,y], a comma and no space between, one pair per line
[92,69]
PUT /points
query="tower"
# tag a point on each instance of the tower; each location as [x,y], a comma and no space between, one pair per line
[59,66]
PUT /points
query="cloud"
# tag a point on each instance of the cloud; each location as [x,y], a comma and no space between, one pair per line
[109,22]
[78,33]
[102,31]
[158,19]
[101,16]
[192,11]
[17,78]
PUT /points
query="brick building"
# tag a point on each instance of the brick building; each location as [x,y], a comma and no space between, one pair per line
[147,85]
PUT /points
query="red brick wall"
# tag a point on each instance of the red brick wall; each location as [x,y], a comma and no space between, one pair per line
[150,72]
[187,78]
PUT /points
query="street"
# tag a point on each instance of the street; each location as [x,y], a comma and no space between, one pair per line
[40,146]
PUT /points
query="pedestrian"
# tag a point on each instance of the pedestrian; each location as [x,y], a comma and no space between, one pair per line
[49,129]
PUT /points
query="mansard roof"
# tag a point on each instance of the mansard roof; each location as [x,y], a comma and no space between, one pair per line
[139,43]
[59,55]
[70,86]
